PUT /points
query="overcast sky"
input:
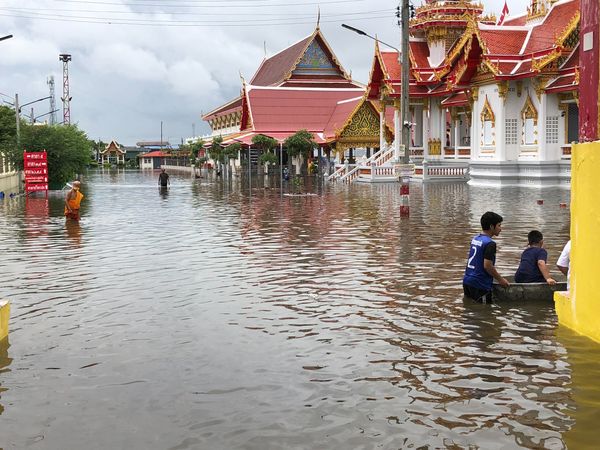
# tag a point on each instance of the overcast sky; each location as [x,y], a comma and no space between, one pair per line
[139,62]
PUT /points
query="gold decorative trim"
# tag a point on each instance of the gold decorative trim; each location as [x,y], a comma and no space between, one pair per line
[519,88]
[487,114]
[529,111]
[503,90]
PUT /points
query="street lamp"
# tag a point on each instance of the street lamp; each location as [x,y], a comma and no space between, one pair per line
[404,63]
[405,168]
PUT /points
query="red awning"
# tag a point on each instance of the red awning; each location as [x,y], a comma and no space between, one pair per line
[246,139]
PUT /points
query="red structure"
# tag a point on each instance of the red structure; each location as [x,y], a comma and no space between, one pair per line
[588,109]
[36,171]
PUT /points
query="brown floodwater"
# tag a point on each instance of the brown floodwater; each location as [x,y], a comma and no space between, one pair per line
[206,317]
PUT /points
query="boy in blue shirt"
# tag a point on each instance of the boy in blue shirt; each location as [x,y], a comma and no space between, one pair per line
[533,268]
[480,271]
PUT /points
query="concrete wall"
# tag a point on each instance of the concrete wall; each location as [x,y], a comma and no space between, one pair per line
[581,309]
[510,108]
[10,182]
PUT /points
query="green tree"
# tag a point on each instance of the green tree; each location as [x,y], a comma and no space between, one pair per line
[301,144]
[264,144]
[216,149]
[68,150]
[8,130]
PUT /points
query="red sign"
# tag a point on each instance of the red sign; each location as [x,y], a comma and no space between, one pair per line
[36,171]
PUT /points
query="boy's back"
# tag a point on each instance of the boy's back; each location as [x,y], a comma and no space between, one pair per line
[529,271]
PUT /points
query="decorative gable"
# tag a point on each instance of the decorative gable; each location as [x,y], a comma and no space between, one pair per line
[315,61]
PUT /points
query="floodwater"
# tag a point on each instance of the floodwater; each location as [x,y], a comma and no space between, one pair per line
[204,317]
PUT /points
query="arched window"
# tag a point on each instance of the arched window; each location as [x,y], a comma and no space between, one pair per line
[529,115]
[488,122]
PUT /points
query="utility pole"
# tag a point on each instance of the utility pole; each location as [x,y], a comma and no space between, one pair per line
[50,83]
[406,170]
[405,101]
[66,98]
[18,115]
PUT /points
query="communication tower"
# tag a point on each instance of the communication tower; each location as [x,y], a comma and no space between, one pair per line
[50,82]
[66,98]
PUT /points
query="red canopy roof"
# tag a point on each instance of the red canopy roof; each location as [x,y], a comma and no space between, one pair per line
[287,110]
[155,154]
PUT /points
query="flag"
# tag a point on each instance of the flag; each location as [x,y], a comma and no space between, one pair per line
[503,14]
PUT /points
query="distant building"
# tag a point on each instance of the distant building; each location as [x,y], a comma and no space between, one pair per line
[153,160]
[112,154]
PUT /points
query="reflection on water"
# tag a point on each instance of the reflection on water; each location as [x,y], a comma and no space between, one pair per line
[206,317]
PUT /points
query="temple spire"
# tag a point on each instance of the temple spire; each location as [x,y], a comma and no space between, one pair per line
[318,17]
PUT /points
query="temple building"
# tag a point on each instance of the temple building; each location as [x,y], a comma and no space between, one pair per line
[503,97]
[499,100]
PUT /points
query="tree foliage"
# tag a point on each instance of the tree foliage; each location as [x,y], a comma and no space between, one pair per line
[300,143]
[69,150]
[216,149]
[264,143]
[269,157]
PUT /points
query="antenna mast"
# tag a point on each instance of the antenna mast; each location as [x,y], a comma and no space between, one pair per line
[50,82]
[66,98]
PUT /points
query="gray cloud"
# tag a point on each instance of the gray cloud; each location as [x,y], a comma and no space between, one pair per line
[126,79]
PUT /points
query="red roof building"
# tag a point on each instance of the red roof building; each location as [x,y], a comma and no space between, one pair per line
[497,95]
[308,64]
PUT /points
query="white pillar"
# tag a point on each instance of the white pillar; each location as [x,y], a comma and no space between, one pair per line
[397,131]
[541,128]
[382,129]
[500,130]
[475,138]
[456,136]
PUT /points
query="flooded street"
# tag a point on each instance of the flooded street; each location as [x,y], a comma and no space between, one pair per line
[204,317]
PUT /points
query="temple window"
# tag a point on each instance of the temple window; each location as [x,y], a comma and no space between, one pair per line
[552,130]
[530,117]
[511,131]
[488,123]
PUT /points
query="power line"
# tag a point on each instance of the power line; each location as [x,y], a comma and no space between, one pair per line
[131,22]
[187,13]
[211,3]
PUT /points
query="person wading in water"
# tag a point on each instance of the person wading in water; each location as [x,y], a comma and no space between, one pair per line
[73,201]
[163,179]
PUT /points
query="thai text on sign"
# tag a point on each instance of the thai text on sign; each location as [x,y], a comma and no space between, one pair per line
[36,171]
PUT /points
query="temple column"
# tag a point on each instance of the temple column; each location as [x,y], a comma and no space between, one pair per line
[382,128]
[426,134]
[500,131]
[397,130]
[456,123]
[541,136]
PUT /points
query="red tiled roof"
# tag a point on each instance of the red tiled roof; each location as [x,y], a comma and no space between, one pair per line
[288,109]
[392,65]
[273,69]
[515,21]
[459,99]
[420,53]
[501,41]
[227,108]
[154,154]
[340,115]
[572,61]
[246,138]
[563,83]
[544,34]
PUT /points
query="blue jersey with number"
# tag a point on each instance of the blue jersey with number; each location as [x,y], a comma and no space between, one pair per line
[475,274]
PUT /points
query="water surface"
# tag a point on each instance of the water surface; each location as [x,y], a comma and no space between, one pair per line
[209,316]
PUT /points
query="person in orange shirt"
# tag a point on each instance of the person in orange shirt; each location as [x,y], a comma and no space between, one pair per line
[72,201]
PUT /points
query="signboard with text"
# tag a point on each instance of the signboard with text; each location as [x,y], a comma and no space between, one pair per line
[35,165]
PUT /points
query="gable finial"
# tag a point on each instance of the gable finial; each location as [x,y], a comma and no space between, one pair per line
[265,48]
[242,79]
[318,16]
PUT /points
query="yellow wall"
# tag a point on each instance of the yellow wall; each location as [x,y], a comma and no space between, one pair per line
[4,313]
[581,310]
